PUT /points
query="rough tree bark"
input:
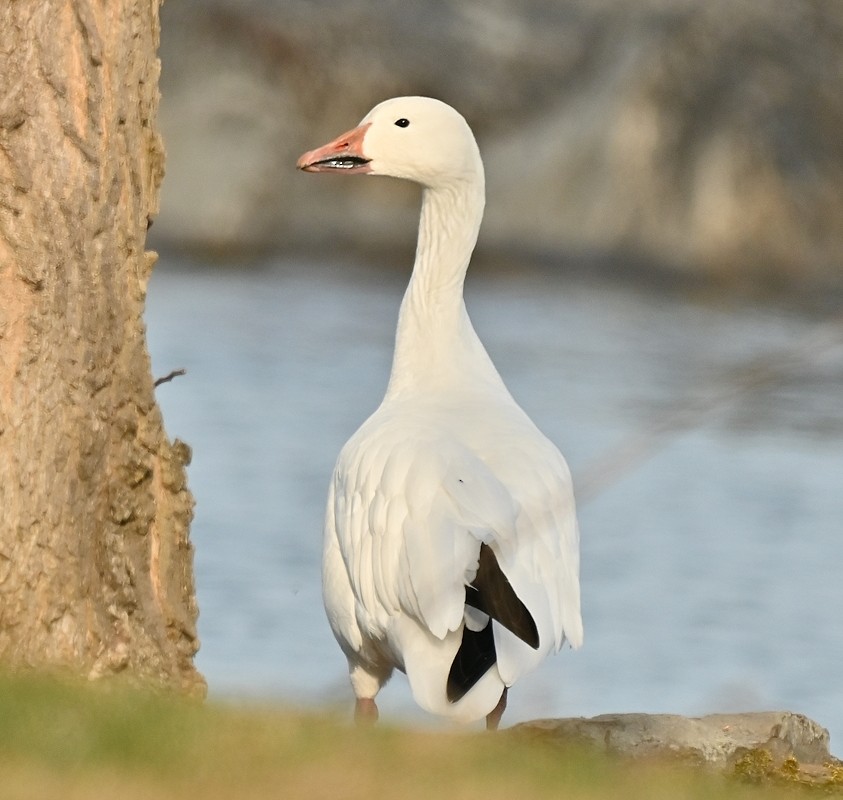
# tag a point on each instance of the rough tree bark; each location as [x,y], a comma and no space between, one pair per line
[96,567]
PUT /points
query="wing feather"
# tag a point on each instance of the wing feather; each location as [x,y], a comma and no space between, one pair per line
[414,500]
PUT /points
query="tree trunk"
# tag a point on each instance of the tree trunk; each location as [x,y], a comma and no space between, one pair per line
[96,568]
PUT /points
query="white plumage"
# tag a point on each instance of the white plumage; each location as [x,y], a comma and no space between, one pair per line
[447,464]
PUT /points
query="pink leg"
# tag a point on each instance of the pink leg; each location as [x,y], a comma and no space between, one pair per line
[365,711]
[493,718]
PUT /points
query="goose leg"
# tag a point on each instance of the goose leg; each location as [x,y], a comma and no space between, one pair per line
[366,682]
[493,718]
[365,711]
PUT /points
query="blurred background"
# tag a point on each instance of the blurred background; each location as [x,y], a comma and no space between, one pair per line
[659,280]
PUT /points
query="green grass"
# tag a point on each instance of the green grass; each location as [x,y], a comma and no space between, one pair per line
[66,741]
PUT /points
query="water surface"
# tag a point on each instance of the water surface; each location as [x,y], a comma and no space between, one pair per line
[711,560]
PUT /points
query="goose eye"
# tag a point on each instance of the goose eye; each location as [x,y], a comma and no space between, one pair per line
[402,123]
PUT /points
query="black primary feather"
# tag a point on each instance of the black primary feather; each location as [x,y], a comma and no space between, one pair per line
[472,661]
[492,593]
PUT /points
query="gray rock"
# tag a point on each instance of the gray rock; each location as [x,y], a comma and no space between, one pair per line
[716,739]
[702,138]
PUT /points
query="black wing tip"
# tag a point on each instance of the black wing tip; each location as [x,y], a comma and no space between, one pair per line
[528,631]
[455,690]
[475,657]
[531,635]
[493,595]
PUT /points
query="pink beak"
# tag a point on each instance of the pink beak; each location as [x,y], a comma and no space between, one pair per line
[343,154]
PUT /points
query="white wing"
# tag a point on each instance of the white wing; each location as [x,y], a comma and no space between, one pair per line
[408,538]
[414,496]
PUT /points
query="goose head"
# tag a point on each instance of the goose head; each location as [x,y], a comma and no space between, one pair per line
[415,138]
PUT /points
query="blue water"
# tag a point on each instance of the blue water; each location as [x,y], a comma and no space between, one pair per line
[712,550]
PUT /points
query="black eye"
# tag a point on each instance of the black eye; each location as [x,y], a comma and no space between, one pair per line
[402,123]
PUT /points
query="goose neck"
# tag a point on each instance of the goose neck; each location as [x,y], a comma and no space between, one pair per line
[448,229]
[435,339]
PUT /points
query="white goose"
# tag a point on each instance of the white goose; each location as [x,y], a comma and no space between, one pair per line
[451,546]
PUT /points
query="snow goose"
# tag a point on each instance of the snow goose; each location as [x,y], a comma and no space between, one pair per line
[451,547]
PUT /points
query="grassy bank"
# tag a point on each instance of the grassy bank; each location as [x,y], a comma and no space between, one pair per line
[68,742]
